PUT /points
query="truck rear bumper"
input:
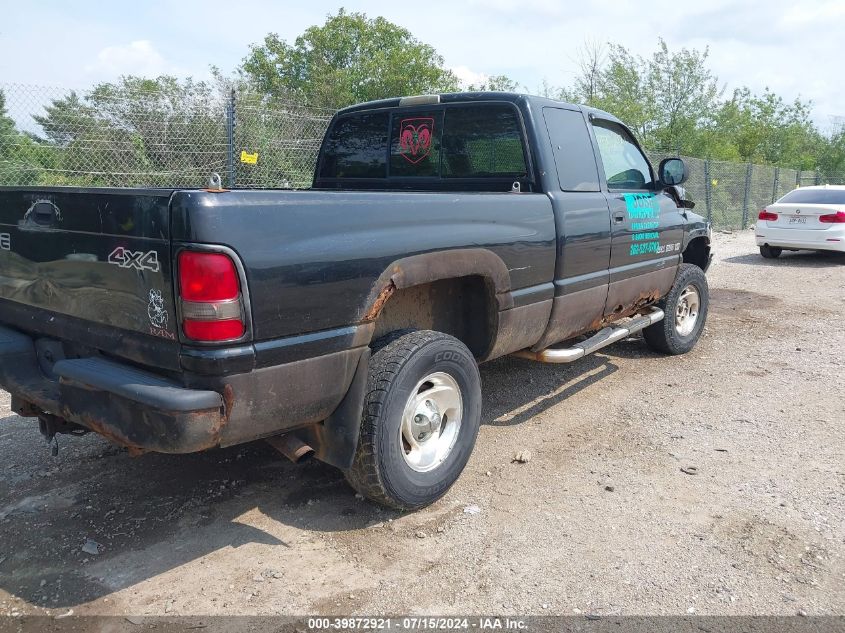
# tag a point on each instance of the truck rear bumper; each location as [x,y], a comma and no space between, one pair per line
[133,408]
[148,412]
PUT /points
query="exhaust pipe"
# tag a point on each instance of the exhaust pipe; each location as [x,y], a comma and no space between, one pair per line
[291,447]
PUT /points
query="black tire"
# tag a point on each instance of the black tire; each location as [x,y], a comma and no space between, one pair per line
[380,471]
[664,336]
[770,252]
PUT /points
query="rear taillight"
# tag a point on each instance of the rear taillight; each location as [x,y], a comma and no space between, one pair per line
[213,330]
[210,292]
[833,218]
[768,216]
[207,277]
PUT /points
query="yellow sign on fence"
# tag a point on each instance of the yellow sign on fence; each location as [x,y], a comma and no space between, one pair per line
[249,159]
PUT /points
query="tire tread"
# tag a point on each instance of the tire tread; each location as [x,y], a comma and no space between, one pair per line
[662,336]
[385,364]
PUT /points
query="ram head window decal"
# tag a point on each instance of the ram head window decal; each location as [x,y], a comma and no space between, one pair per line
[415,137]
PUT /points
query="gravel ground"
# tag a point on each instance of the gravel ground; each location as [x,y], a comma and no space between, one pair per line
[603,519]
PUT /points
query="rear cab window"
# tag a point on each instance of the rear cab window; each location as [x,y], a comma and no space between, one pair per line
[477,146]
[415,144]
[355,148]
[483,142]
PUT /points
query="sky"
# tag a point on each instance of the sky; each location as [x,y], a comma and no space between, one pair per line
[793,47]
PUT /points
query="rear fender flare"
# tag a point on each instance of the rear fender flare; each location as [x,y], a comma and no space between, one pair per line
[429,267]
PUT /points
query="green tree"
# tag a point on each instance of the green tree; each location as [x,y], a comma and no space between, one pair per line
[495,83]
[7,125]
[832,158]
[673,101]
[591,62]
[22,160]
[137,131]
[349,59]
[8,141]
[682,94]
[621,89]
[665,98]
[766,129]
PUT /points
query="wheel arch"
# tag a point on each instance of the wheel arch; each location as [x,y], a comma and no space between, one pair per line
[697,252]
[451,291]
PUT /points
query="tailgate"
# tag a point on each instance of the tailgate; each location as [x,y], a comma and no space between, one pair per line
[101,256]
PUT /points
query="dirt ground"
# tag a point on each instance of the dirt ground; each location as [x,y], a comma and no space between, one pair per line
[602,520]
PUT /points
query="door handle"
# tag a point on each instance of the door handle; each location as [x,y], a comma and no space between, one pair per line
[618,218]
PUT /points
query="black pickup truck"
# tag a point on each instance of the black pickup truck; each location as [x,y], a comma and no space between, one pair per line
[347,321]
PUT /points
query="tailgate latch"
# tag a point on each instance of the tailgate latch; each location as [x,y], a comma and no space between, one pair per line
[42,213]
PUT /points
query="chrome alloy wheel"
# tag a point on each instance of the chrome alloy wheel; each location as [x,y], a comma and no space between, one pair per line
[686,313]
[431,422]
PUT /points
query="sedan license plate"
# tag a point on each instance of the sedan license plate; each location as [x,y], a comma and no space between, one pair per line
[797,219]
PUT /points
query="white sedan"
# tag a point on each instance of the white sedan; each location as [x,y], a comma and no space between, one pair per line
[809,218]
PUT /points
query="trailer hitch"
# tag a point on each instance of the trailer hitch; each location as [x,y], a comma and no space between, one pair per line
[52,425]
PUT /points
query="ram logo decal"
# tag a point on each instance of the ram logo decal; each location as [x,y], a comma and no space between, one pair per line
[5,242]
[156,311]
[415,137]
[139,260]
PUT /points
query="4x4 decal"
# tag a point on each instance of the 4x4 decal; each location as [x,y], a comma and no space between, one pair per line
[139,260]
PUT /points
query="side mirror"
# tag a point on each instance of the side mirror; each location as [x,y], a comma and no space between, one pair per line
[672,172]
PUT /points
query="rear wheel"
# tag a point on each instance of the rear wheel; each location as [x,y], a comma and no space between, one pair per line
[420,420]
[685,309]
[770,252]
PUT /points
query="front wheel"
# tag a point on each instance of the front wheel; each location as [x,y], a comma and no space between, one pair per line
[421,417]
[685,309]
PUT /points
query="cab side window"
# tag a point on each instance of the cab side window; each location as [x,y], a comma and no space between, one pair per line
[572,149]
[625,167]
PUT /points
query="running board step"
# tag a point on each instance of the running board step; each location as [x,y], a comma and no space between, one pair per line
[600,339]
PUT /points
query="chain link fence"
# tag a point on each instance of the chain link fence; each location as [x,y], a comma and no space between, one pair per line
[177,136]
[275,146]
[731,194]
[110,138]
[164,138]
